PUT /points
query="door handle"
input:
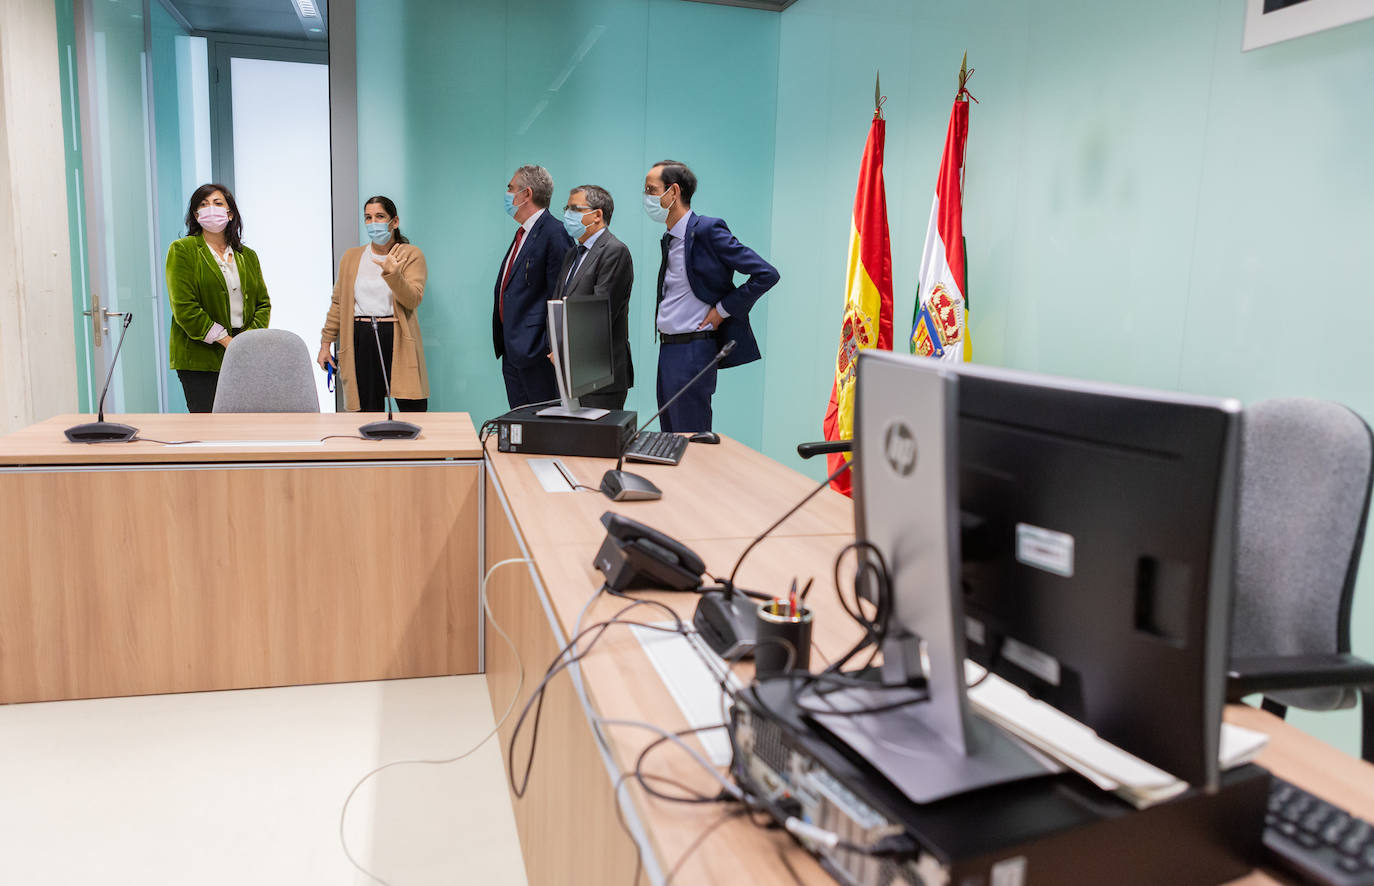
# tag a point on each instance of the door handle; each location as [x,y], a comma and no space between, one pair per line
[97,323]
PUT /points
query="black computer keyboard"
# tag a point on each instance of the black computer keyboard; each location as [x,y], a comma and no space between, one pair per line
[1322,842]
[657,447]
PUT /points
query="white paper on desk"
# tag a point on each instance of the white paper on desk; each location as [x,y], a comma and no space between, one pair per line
[255,443]
[682,666]
[1079,747]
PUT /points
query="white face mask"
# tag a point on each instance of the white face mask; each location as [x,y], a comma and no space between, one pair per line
[656,210]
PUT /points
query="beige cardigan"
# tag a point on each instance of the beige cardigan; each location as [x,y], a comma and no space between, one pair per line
[409,381]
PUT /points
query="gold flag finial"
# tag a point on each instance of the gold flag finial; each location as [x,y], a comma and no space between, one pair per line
[965,72]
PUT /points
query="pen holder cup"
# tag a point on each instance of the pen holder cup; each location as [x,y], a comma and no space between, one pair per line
[781,640]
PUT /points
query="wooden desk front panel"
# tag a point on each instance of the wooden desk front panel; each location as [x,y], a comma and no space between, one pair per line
[567,823]
[129,582]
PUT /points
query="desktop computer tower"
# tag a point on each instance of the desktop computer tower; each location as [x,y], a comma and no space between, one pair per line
[1054,829]
[525,431]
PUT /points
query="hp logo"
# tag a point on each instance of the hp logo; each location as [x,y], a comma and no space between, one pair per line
[899,445]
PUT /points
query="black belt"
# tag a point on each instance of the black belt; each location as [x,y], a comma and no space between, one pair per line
[380,318]
[681,338]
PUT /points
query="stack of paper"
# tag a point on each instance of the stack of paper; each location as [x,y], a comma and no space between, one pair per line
[1079,748]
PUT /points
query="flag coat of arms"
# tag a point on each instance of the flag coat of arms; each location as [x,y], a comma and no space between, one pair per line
[867,319]
[940,326]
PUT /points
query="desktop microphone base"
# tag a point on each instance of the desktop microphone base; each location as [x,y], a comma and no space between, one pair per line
[624,486]
[389,430]
[101,432]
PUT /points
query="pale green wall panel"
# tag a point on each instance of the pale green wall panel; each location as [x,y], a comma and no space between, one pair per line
[1144,203]
[453,97]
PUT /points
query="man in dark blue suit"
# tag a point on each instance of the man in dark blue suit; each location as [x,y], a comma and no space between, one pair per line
[699,306]
[526,281]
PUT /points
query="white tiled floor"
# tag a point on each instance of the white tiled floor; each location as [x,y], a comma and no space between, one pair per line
[246,787]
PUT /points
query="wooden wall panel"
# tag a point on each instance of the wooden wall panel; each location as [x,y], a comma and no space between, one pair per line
[127,582]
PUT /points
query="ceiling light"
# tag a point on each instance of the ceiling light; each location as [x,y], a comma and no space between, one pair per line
[307,9]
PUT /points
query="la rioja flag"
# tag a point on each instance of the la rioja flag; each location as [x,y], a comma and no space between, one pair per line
[940,326]
[868,292]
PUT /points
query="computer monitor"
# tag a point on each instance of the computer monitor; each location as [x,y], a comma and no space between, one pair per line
[1095,546]
[580,335]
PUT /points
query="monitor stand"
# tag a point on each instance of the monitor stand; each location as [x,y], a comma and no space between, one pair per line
[910,751]
[569,408]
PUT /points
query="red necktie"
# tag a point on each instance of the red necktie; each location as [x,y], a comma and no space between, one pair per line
[510,266]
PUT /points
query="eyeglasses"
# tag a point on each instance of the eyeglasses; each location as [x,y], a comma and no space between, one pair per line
[572,208]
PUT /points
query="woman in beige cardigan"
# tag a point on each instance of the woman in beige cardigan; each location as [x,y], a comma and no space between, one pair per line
[384,280]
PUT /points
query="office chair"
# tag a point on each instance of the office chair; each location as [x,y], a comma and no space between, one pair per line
[1306,469]
[267,370]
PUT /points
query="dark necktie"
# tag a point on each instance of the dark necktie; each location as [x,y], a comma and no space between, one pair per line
[577,263]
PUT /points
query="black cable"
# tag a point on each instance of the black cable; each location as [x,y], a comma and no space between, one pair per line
[561,663]
[639,774]
[697,843]
[163,442]
[797,507]
[342,436]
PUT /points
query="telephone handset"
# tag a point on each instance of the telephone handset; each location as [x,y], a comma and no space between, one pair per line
[635,556]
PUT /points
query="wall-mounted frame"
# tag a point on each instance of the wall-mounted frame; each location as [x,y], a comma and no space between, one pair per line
[1273,21]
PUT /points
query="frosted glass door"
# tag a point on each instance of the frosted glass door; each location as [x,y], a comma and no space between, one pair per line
[282,185]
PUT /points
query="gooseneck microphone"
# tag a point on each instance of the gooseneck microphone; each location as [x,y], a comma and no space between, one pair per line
[100,430]
[621,485]
[389,429]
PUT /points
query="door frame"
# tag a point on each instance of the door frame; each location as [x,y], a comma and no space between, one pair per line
[221,50]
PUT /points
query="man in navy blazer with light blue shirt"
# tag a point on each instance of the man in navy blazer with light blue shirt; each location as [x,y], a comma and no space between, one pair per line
[526,281]
[700,308]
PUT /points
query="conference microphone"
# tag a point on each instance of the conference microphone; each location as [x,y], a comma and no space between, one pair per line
[824,447]
[100,430]
[621,485]
[389,429]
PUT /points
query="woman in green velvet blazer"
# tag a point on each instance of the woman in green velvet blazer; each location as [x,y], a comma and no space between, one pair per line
[216,287]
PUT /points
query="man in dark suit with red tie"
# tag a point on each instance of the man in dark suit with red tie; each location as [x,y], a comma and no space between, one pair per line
[700,308]
[526,281]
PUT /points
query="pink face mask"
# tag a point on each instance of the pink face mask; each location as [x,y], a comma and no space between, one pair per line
[213,218]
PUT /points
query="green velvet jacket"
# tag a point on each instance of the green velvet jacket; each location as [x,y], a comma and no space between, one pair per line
[200,299]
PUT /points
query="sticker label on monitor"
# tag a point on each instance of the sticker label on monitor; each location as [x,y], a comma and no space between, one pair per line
[517,434]
[1031,660]
[1045,549]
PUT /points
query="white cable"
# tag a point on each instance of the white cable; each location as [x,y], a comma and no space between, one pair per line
[519,684]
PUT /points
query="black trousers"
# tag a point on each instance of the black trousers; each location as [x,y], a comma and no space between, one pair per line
[530,384]
[199,387]
[604,399]
[367,369]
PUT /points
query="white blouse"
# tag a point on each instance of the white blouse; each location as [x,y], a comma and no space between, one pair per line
[230,269]
[371,295]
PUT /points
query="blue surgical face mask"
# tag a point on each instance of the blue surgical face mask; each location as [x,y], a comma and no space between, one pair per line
[655,210]
[572,223]
[379,232]
[510,204]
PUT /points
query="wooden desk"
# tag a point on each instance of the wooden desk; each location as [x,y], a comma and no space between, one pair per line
[567,822]
[135,568]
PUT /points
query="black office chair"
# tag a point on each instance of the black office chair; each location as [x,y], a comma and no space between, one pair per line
[1306,471]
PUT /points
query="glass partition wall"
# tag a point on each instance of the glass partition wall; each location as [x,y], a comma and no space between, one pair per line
[152,114]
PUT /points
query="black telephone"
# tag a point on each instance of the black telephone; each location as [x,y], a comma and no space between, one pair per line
[635,556]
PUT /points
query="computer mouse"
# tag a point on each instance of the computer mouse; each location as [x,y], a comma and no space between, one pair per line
[704,437]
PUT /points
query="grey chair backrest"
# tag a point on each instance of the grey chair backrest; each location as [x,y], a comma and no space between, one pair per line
[1304,497]
[267,370]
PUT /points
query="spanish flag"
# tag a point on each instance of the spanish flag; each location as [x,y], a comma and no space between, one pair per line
[868,292]
[940,326]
